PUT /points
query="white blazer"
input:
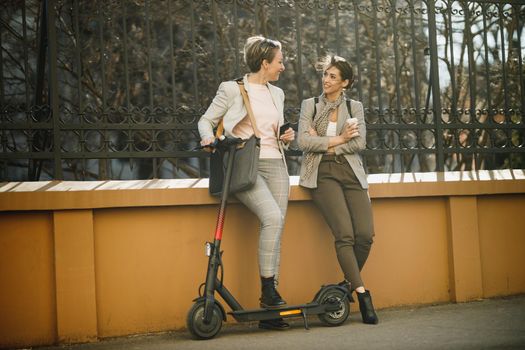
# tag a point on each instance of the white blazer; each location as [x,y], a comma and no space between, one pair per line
[228,104]
[319,144]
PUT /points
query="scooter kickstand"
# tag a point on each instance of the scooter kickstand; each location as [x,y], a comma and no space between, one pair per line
[303,312]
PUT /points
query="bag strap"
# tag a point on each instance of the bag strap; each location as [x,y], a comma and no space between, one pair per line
[220,127]
[348,106]
[248,108]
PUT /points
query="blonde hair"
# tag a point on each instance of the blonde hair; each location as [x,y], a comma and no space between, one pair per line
[257,49]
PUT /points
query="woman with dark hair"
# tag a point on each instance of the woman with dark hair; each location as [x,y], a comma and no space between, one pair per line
[268,198]
[331,134]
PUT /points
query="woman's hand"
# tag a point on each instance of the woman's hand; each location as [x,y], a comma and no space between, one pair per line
[288,136]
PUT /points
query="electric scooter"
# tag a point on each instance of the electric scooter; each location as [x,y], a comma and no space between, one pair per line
[204,320]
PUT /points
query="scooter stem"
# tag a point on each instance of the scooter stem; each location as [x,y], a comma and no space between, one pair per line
[225,192]
[213,262]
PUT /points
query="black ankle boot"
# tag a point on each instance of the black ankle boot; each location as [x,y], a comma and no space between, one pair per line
[367,308]
[270,298]
[277,324]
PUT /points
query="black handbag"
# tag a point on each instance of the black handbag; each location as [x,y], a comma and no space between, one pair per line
[246,162]
[245,165]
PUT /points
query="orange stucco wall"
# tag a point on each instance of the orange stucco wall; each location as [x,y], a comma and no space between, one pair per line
[27,292]
[78,265]
[502,244]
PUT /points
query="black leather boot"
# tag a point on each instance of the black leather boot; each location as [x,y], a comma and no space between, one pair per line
[270,298]
[367,308]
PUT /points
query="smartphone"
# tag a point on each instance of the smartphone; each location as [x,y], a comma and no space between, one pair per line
[284,127]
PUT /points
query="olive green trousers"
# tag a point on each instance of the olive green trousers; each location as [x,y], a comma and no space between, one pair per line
[346,208]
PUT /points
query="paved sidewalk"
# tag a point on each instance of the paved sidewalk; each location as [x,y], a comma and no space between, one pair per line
[487,324]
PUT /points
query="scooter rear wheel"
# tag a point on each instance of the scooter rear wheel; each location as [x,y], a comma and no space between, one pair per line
[196,325]
[335,296]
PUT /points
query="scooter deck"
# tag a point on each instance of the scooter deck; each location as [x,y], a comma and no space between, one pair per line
[301,310]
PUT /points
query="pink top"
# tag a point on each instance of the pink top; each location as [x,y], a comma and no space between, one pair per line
[267,118]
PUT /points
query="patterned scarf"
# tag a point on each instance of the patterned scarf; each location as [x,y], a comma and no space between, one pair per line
[320,124]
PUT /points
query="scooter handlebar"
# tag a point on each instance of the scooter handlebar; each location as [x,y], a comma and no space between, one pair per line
[221,142]
[224,141]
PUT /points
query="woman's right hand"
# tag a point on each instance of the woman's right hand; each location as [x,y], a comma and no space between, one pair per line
[207,141]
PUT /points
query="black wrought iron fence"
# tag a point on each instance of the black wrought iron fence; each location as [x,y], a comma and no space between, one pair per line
[114,89]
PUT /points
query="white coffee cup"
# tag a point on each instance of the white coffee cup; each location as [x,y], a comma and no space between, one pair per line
[351,121]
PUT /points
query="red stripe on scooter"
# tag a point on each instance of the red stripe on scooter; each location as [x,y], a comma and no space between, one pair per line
[220,225]
[218,234]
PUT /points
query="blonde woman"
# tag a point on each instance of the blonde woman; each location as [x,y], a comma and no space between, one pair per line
[268,198]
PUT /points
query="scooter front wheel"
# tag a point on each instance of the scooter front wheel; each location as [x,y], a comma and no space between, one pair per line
[339,299]
[196,325]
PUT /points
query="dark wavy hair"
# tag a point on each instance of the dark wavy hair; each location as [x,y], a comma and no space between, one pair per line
[344,67]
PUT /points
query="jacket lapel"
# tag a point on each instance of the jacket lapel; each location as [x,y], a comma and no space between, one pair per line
[318,106]
[342,115]
[245,81]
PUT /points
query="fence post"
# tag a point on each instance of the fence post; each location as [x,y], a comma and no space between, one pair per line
[53,87]
[436,94]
